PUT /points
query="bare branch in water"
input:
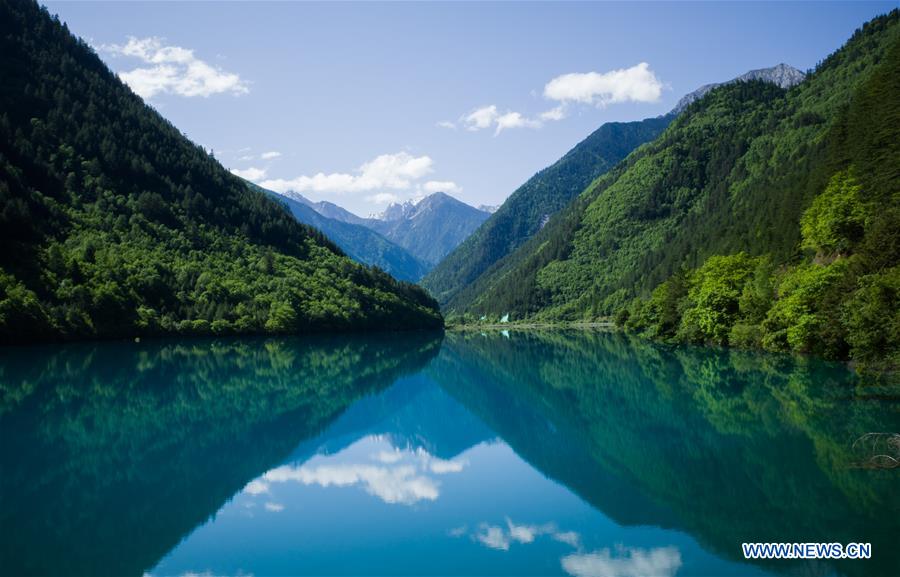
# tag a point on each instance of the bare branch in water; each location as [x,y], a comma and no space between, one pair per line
[876,451]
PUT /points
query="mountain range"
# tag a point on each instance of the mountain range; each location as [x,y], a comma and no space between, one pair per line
[406,239]
[762,212]
[762,216]
[530,206]
[431,227]
[359,242]
[114,224]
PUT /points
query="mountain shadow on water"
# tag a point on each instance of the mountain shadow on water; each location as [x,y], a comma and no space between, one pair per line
[112,453]
[728,446]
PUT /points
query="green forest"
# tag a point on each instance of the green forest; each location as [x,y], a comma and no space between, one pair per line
[760,218]
[526,210]
[114,224]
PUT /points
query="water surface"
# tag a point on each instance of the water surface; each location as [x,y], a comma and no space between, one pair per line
[507,453]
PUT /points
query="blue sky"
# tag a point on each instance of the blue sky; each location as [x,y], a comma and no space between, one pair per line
[348,99]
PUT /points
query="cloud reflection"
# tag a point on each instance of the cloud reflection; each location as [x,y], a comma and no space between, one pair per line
[393,475]
[624,562]
[256,487]
[398,484]
[500,538]
[658,562]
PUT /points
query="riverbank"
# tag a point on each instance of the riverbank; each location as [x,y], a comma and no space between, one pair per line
[608,325]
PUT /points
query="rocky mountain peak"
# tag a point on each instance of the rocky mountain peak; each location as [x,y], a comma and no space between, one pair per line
[783,75]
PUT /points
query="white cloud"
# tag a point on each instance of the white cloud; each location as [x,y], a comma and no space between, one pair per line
[256,487]
[659,562]
[391,474]
[458,531]
[446,124]
[390,484]
[514,120]
[557,113]
[447,186]
[497,537]
[383,198]
[522,533]
[274,507]
[493,537]
[391,171]
[251,174]
[481,118]
[441,467]
[490,116]
[388,457]
[570,538]
[271,155]
[174,70]
[635,84]
[437,465]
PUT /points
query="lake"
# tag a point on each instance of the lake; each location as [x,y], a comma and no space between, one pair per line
[580,453]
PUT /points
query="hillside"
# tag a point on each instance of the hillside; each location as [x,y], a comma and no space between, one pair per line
[781,75]
[430,228]
[358,242]
[527,209]
[114,224]
[718,201]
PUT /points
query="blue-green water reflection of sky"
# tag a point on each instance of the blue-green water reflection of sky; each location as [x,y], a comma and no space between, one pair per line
[505,453]
[383,504]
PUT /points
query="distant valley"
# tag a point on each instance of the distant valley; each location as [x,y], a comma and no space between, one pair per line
[529,208]
[406,240]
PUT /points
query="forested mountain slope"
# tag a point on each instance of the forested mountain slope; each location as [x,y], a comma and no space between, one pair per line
[359,242]
[528,208]
[737,175]
[114,224]
[781,75]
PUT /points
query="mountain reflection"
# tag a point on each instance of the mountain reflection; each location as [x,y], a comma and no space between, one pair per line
[112,452]
[562,452]
[732,447]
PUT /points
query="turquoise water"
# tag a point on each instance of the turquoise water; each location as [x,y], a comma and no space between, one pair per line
[505,453]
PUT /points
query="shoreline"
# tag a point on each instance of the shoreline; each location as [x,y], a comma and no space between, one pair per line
[533,325]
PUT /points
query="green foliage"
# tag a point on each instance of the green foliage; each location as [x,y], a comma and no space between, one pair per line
[21,313]
[660,315]
[744,336]
[114,224]
[834,222]
[872,319]
[754,173]
[714,297]
[806,314]
[526,211]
